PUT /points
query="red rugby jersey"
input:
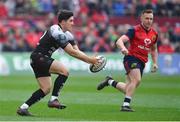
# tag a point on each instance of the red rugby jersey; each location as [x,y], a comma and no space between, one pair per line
[140,41]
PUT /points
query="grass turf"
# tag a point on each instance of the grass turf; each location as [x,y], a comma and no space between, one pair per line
[156,99]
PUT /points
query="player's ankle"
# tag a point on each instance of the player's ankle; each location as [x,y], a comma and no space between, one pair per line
[24,106]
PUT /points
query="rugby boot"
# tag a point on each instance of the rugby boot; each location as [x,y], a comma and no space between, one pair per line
[56,104]
[104,83]
[127,109]
[23,112]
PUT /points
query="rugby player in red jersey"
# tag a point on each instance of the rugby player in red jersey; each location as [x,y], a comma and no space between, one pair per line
[142,39]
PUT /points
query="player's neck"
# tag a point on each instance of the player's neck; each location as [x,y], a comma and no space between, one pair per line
[61,27]
[145,28]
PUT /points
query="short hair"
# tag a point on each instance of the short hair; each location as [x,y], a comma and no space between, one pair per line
[147,11]
[64,15]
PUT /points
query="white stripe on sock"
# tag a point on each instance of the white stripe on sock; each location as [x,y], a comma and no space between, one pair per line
[110,82]
[126,104]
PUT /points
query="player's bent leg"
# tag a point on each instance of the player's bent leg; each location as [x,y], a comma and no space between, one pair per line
[45,86]
[121,87]
[58,68]
[134,79]
[110,81]
[36,96]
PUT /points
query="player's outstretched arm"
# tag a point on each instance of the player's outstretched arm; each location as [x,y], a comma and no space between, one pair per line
[80,55]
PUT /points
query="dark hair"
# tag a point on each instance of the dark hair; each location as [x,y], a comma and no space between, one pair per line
[64,15]
[147,11]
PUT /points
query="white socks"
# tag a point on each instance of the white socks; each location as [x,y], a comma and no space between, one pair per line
[24,106]
[53,98]
[127,101]
[126,104]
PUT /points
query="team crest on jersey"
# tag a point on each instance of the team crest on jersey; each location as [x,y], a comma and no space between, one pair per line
[154,37]
[147,41]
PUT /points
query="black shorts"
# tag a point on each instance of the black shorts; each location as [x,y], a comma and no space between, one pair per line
[40,64]
[131,62]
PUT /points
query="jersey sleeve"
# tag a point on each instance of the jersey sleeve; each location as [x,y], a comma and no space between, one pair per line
[156,38]
[59,36]
[130,33]
[70,38]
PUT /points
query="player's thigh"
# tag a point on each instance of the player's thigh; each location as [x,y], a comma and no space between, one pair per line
[58,68]
[45,84]
[134,75]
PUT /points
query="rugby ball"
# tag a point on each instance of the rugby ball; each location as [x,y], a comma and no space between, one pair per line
[99,66]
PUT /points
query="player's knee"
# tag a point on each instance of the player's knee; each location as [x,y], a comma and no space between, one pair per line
[65,73]
[46,89]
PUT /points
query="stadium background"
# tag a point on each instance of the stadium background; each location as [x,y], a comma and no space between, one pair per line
[98,24]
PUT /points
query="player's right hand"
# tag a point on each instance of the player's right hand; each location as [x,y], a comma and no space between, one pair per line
[124,51]
[95,60]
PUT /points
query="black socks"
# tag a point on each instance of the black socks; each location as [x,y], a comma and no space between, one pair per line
[39,94]
[127,101]
[58,84]
[114,83]
[36,96]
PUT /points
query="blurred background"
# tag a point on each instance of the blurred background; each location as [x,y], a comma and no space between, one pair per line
[98,24]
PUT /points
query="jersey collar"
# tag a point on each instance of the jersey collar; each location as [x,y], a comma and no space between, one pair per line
[145,29]
[60,26]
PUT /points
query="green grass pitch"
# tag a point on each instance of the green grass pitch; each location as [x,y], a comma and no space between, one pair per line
[156,99]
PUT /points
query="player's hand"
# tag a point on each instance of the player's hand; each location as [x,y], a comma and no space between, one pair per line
[124,51]
[96,60]
[154,68]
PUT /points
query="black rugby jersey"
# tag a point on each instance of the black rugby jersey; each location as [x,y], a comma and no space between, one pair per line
[52,39]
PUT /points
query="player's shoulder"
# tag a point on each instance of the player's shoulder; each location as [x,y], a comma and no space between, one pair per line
[56,28]
[69,34]
[57,32]
[131,29]
[137,27]
[154,31]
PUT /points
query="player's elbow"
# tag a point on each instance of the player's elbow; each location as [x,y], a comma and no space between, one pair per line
[118,42]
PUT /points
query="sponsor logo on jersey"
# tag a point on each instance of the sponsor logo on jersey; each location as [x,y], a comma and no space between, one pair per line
[147,41]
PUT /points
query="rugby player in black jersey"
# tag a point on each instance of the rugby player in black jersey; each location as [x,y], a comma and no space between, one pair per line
[57,36]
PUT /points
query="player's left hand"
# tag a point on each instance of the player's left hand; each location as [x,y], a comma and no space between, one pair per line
[124,51]
[154,68]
